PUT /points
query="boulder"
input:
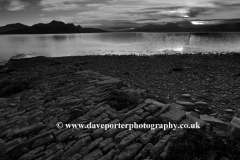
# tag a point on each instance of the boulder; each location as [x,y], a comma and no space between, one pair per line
[150,101]
[189,106]
[213,121]
[189,119]
[234,127]
[185,97]
[193,114]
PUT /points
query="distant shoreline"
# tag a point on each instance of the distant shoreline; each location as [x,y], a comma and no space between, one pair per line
[116,32]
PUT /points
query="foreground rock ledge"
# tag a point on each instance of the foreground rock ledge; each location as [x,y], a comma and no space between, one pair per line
[60,93]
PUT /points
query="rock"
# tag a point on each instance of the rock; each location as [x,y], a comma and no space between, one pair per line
[164,153]
[99,118]
[115,121]
[99,110]
[65,135]
[130,151]
[155,151]
[229,111]
[129,139]
[213,121]
[193,121]
[42,141]
[115,157]
[106,142]
[91,146]
[173,115]
[76,147]
[109,155]
[3,147]
[76,157]
[234,127]
[114,81]
[121,135]
[108,147]
[220,132]
[152,108]
[202,106]
[143,153]
[139,112]
[56,155]
[165,108]
[26,129]
[185,97]
[94,155]
[214,114]
[150,101]
[32,154]
[189,106]
[193,114]
[134,118]
[110,132]
[97,133]
[146,137]
[136,93]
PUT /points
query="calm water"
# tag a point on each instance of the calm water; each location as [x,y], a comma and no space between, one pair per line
[115,43]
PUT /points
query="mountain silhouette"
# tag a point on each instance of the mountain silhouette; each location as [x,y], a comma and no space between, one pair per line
[186,26]
[11,27]
[53,27]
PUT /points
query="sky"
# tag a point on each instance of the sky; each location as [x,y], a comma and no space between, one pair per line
[118,14]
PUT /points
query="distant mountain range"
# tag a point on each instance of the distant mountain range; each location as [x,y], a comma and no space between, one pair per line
[52,27]
[186,26]
[56,27]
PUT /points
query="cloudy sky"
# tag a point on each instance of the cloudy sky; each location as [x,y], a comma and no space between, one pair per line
[118,14]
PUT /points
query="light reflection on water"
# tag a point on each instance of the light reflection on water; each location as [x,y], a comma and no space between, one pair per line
[54,45]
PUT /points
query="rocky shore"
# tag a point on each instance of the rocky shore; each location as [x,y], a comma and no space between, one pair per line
[38,93]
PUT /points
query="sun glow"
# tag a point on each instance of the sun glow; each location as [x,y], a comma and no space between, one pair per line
[198,22]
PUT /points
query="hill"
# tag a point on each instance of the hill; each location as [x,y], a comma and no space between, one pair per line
[53,27]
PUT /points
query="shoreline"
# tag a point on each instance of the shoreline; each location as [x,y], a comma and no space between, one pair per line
[210,77]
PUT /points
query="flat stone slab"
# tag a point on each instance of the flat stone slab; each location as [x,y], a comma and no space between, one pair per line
[173,114]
